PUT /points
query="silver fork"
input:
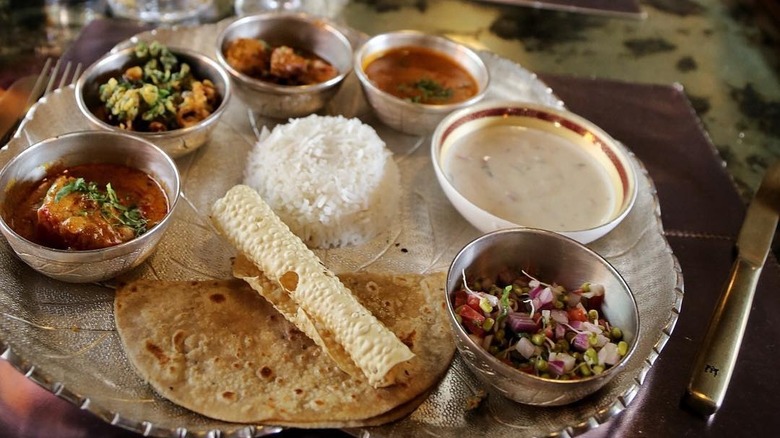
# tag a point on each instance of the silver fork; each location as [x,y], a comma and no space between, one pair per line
[65,78]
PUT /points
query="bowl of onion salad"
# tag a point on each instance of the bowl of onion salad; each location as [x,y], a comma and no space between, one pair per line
[541,328]
[539,317]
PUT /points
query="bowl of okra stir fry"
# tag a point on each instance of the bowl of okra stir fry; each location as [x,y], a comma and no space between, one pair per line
[539,317]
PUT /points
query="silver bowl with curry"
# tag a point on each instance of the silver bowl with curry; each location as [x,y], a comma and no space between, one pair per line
[412,80]
[285,64]
[87,206]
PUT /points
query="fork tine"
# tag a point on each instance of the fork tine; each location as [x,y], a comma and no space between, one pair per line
[52,77]
[76,73]
[37,90]
[64,78]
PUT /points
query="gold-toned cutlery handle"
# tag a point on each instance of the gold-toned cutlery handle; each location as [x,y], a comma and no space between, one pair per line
[718,354]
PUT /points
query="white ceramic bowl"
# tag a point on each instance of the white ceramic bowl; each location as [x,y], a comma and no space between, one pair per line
[526,132]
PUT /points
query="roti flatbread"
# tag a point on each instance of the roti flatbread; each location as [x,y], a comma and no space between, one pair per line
[284,304]
[218,348]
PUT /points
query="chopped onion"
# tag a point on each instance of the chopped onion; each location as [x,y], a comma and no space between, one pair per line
[545,298]
[556,367]
[520,322]
[533,293]
[525,347]
[590,327]
[567,359]
[560,316]
[601,340]
[560,331]
[580,342]
[609,354]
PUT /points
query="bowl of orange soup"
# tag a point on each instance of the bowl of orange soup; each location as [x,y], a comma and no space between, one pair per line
[509,164]
[412,80]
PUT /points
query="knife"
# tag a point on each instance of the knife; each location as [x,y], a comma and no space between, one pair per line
[13,103]
[718,354]
[18,99]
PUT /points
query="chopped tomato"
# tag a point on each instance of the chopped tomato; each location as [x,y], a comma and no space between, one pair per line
[577,313]
[460,298]
[473,302]
[594,302]
[473,328]
[472,320]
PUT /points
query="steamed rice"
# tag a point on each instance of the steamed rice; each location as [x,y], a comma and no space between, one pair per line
[332,180]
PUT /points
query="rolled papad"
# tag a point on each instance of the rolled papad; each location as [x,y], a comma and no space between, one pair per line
[255,231]
[218,348]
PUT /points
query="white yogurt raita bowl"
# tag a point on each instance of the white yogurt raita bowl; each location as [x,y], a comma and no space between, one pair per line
[508,164]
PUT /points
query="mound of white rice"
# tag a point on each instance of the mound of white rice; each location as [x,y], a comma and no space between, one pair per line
[330,179]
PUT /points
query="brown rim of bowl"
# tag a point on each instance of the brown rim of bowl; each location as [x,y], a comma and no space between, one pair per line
[568,120]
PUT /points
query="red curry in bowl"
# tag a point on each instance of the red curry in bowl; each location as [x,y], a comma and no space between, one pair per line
[421,75]
[85,207]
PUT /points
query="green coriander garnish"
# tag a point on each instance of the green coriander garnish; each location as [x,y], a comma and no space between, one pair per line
[108,202]
[428,90]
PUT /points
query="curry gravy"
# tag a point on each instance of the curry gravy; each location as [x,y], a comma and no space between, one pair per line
[133,188]
[530,177]
[421,75]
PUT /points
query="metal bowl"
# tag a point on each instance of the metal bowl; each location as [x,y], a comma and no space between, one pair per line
[400,114]
[540,126]
[81,148]
[298,31]
[549,257]
[176,142]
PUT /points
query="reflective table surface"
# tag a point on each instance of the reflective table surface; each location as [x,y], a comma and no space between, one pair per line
[723,55]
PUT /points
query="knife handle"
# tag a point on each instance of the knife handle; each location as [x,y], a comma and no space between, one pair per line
[718,354]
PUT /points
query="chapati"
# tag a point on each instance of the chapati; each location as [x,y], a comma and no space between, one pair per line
[218,348]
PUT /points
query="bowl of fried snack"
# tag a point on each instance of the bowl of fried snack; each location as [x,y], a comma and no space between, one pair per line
[285,64]
[172,97]
[87,206]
